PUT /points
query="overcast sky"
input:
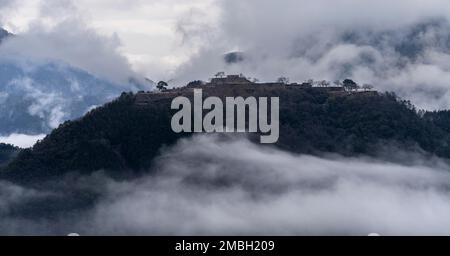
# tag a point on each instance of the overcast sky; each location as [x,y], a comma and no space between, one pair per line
[185,40]
[148,30]
[151,31]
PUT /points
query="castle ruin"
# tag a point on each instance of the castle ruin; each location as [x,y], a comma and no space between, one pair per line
[230,80]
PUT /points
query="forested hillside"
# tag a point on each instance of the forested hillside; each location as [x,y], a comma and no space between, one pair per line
[7,153]
[125,137]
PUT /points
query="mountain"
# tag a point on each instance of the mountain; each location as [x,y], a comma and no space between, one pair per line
[127,134]
[4,34]
[7,153]
[35,97]
[410,42]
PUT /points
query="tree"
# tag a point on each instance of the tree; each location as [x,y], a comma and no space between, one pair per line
[162,86]
[367,87]
[308,83]
[323,83]
[349,85]
[220,74]
[283,80]
[195,83]
[337,83]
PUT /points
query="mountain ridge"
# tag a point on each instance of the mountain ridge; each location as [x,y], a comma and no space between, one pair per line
[4,34]
[37,94]
[125,137]
[7,153]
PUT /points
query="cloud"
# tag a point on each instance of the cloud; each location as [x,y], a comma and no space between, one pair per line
[202,187]
[60,32]
[145,29]
[72,43]
[57,67]
[401,47]
[37,96]
[301,39]
[4,4]
[179,41]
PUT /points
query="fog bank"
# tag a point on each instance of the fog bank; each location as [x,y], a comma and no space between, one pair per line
[210,186]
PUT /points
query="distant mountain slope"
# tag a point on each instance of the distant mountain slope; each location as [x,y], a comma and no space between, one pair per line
[37,97]
[7,153]
[4,34]
[125,136]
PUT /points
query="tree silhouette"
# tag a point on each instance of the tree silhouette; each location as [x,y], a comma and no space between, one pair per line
[220,74]
[337,83]
[367,87]
[195,83]
[323,83]
[349,85]
[283,80]
[162,86]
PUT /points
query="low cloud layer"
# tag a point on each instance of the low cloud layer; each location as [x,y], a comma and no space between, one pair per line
[202,187]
